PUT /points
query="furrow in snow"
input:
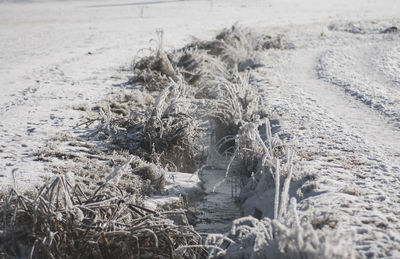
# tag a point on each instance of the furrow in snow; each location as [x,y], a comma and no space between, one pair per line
[349,150]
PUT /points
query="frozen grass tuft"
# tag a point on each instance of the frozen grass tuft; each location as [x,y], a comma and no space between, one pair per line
[238,47]
[166,132]
[171,131]
[62,222]
[155,70]
[290,236]
[234,102]
[233,50]
[205,84]
[284,233]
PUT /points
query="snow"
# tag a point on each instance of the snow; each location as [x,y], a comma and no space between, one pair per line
[349,150]
[177,186]
[336,93]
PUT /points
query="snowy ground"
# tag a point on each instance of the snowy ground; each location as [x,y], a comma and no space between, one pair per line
[59,57]
[336,93]
[350,146]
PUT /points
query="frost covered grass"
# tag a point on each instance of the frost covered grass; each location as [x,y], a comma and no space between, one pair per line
[289,236]
[234,102]
[161,123]
[211,77]
[261,161]
[166,132]
[155,70]
[61,221]
[80,68]
[285,233]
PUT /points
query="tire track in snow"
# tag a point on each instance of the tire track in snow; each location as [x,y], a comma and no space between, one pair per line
[368,123]
[390,66]
[373,127]
[366,74]
[351,148]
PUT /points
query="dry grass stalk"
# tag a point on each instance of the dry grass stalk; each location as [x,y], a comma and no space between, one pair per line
[164,64]
[235,102]
[165,133]
[156,70]
[62,222]
[171,131]
[235,47]
[291,236]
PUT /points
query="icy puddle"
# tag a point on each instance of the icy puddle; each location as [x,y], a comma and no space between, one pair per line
[215,211]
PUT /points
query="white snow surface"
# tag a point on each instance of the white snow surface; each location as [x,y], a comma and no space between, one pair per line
[349,148]
[336,93]
[177,186]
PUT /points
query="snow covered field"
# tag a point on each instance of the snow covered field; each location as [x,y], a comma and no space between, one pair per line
[334,89]
[351,145]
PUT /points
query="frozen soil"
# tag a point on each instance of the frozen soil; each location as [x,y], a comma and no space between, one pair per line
[339,108]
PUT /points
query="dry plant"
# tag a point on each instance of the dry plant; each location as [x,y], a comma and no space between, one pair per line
[187,65]
[210,72]
[155,70]
[290,236]
[286,235]
[237,47]
[233,104]
[91,165]
[171,131]
[124,102]
[165,133]
[259,159]
[62,222]
[199,68]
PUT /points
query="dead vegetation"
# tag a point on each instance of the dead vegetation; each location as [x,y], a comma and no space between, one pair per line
[233,50]
[237,47]
[61,221]
[138,134]
[92,166]
[166,132]
[288,234]
[155,70]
